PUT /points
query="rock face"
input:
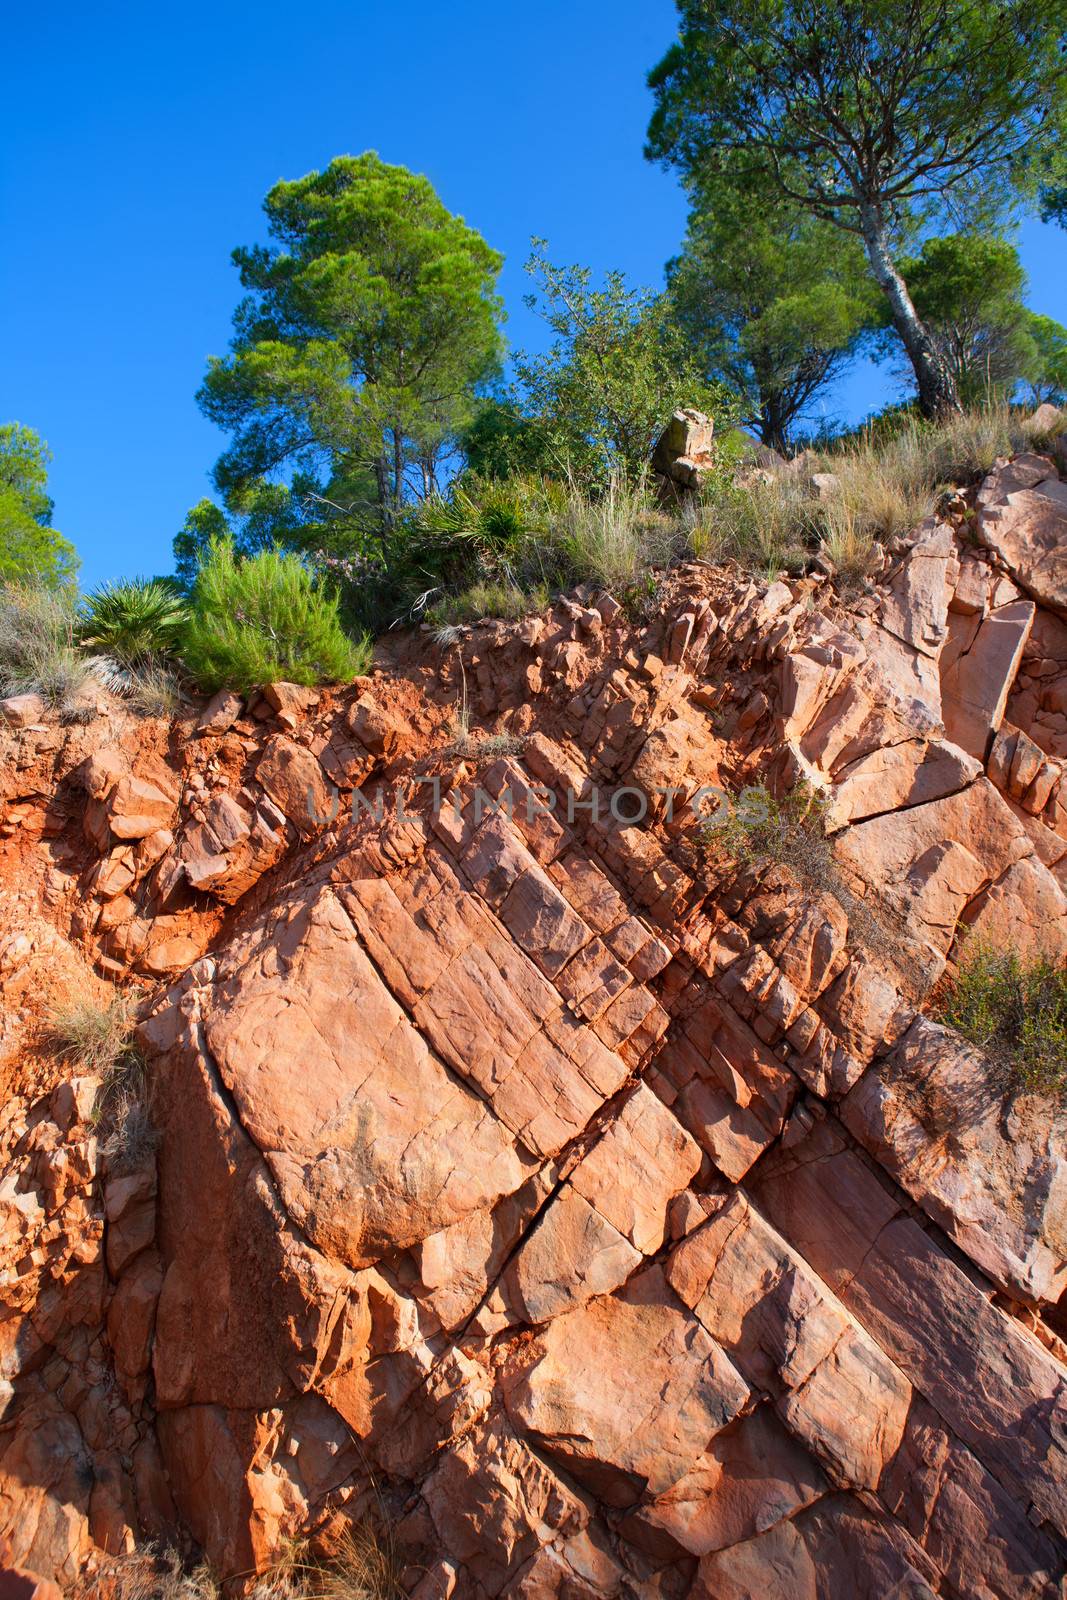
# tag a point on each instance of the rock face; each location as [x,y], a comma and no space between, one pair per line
[611,1223]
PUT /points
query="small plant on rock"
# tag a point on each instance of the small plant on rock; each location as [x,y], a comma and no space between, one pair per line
[363,1567]
[1014,1008]
[756,829]
[95,1037]
[92,1036]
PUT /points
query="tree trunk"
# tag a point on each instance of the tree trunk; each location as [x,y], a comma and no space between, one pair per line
[381,478]
[398,469]
[771,427]
[938,395]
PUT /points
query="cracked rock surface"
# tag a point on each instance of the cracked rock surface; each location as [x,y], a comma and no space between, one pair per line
[610,1221]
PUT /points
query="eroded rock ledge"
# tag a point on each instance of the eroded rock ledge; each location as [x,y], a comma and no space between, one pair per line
[612,1227]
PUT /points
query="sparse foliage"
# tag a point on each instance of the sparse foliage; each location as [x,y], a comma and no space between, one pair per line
[484,600]
[91,1035]
[614,537]
[756,830]
[888,480]
[1014,1008]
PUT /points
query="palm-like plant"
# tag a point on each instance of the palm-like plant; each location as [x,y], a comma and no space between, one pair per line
[137,620]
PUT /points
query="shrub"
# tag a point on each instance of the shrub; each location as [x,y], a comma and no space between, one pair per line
[265,618]
[492,516]
[38,652]
[96,1037]
[137,620]
[755,829]
[1014,1008]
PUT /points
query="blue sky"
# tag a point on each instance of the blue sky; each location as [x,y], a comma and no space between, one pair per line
[141,139]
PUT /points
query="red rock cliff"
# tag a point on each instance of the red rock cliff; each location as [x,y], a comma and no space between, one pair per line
[610,1225]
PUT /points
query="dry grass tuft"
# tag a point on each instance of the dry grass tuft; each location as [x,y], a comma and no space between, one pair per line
[614,538]
[92,1036]
[888,482]
[364,1567]
[39,653]
[96,1038]
[764,526]
[154,690]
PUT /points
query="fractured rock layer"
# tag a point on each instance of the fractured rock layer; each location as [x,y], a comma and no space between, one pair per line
[614,1223]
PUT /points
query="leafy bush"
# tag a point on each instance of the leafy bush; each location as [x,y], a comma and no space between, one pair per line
[1015,1009]
[38,652]
[263,619]
[134,621]
[619,365]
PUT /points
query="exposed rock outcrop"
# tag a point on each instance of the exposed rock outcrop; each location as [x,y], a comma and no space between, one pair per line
[614,1224]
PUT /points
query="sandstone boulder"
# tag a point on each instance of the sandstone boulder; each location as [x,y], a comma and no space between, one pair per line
[684,448]
[1027,529]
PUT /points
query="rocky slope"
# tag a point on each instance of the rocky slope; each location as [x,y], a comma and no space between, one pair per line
[604,1221]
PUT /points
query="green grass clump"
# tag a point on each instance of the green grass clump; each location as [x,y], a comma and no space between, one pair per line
[137,620]
[1014,1008]
[615,537]
[264,619]
[487,600]
[764,526]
